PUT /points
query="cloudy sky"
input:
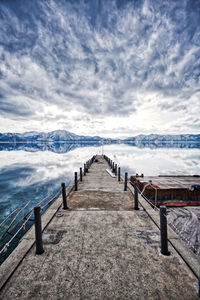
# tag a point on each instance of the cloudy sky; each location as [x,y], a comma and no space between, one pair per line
[100,67]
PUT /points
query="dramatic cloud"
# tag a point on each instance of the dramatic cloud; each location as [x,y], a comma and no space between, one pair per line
[100,67]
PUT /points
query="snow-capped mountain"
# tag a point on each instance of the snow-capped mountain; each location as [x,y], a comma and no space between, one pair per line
[53,136]
[157,139]
[66,136]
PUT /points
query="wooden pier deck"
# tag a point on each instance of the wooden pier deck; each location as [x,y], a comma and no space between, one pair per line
[98,249]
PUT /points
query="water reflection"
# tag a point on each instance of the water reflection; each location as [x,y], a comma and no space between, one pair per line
[30,172]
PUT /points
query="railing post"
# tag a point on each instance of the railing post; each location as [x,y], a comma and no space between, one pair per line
[84,170]
[163,231]
[136,196]
[115,169]
[75,182]
[64,197]
[38,230]
[119,175]
[125,181]
[81,177]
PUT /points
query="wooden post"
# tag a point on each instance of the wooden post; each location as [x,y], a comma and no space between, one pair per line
[119,175]
[163,231]
[75,182]
[136,196]
[115,169]
[125,181]
[81,177]
[38,231]
[84,169]
[64,197]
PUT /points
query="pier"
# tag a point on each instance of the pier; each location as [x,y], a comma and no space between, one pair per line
[101,246]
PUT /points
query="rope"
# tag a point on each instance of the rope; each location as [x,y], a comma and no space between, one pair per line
[17,215]
[9,216]
[154,206]
[40,203]
[5,247]
[56,195]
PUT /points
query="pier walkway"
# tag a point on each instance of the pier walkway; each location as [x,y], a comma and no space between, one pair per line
[100,248]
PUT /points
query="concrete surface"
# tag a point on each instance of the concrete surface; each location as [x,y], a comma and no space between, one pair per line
[95,252]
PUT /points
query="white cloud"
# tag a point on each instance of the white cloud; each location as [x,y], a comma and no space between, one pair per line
[95,67]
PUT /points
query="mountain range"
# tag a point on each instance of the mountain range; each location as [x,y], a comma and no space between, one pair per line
[66,136]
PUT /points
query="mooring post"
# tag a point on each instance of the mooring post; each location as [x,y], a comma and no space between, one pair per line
[38,230]
[163,230]
[115,169]
[64,197]
[136,196]
[119,175]
[125,181]
[84,170]
[75,182]
[81,176]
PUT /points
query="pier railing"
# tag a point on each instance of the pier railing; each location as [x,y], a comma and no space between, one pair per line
[34,214]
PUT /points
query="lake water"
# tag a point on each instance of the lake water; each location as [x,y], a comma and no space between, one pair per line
[30,173]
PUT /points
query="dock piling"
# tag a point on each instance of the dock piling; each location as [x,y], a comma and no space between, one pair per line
[136,196]
[115,169]
[81,177]
[75,182]
[64,197]
[163,231]
[119,175]
[84,172]
[125,181]
[38,230]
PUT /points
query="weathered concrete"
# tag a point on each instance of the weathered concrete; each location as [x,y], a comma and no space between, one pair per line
[95,252]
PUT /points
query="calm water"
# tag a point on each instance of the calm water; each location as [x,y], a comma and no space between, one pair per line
[31,173]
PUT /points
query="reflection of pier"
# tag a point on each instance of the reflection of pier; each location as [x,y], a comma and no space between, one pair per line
[99,248]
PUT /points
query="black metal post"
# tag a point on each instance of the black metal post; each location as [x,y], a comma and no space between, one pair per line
[81,176]
[119,175]
[163,231]
[64,197]
[75,182]
[198,286]
[38,230]
[136,196]
[125,181]
[84,170]
[115,169]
